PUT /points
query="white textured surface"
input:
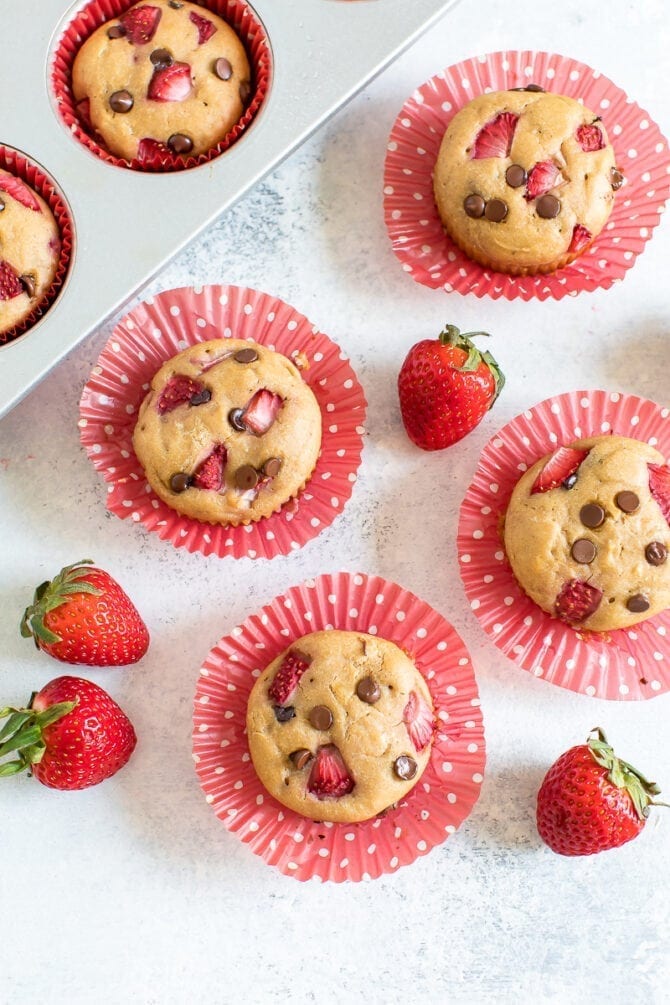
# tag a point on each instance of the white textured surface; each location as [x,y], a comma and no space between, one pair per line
[133,891]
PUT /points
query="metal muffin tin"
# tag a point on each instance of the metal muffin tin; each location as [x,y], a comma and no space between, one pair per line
[129,224]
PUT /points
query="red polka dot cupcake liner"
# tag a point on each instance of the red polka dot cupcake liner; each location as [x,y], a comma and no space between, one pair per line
[436,806]
[627,664]
[27,170]
[418,238]
[92,15]
[168,323]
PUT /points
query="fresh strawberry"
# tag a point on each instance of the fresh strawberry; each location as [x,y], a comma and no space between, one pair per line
[140,23]
[581,238]
[83,616]
[206,28]
[495,138]
[150,150]
[209,473]
[10,284]
[577,601]
[170,83]
[287,677]
[590,138]
[261,411]
[179,390]
[329,777]
[71,736]
[446,386]
[659,486]
[418,717]
[542,177]
[590,800]
[18,190]
[563,463]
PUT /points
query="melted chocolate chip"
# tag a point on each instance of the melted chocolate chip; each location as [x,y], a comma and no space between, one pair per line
[283,713]
[548,207]
[616,178]
[244,91]
[656,553]
[321,717]
[180,482]
[121,101]
[201,397]
[368,690]
[175,4]
[301,758]
[116,31]
[271,467]
[180,143]
[161,58]
[223,68]
[474,206]
[496,210]
[236,419]
[638,603]
[627,501]
[246,477]
[515,176]
[528,87]
[28,285]
[592,515]
[570,481]
[584,551]
[245,356]
[405,767]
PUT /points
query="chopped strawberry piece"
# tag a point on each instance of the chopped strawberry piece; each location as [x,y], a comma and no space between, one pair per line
[207,360]
[206,28]
[581,238]
[141,23]
[170,83]
[149,150]
[495,138]
[287,678]
[84,112]
[542,177]
[10,284]
[577,601]
[261,411]
[18,190]
[418,717]
[659,486]
[562,463]
[590,138]
[329,777]
[178,391]
[209,474]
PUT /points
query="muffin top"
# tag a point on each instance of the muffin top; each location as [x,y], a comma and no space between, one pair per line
[340,726]
[586,532]
[525,180]
[29,250]
[166,72]
[228,432]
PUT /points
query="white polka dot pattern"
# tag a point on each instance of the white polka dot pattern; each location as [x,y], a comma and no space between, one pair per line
[414,227]
[151,334]
[300,847]
[620,665]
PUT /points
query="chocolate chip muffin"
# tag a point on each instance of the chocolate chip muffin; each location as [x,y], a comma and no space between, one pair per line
[164,76]
[586,532]
[228,432]
[29,250]
[525,180]
[340,726]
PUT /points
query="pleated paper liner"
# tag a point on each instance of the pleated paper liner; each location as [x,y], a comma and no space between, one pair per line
[161,327]
[28,171]
[236,13]
[413,224]
[440,801]
[631,663]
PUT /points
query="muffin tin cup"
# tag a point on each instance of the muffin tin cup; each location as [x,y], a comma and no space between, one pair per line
[627,664]
[436,806]
[166,324]
[18,164]
[95,13]
[413,224]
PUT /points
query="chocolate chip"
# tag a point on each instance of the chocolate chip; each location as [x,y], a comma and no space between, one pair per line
[180,143]
[223,68]
[201,397]
[637,603]
[368,690]
[528,87]
[244,91]
[515,176]
[180,482]
[656,553]
[121,101]
[175,4]
[301,758]
[246,477]
[592,515]
[236,419]
[616,178]
[245,356]
[474,206]
[496,210]
[405,767]
[627,501]
[116,31]
[283,713]
[321,717]
[161,58]
[28,285]
[271,467]
[570,481]
[548,207]
[583,551]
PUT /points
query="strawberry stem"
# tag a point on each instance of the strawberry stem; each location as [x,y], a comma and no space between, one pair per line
[50,595]
[22,733]
[451,335]
[622,774]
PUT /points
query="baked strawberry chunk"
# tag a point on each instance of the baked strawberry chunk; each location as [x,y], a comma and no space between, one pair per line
[329,777]
[170,83]
[287,678]
[590,138]
[10,284]
[140,23]
[209,473]
[581,238]
[495,138]
[559,469]
[261,411]
[659,486]
[577,601]
[418,718]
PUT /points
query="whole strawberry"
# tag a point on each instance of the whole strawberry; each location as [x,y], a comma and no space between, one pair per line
[590,800]
[71,735]
[446,386]
[83,616]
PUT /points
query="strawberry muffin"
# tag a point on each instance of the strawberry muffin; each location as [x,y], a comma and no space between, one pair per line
[165,76]
[525,180]
[340,726]
[228,432]
[586,533]
[29,250]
